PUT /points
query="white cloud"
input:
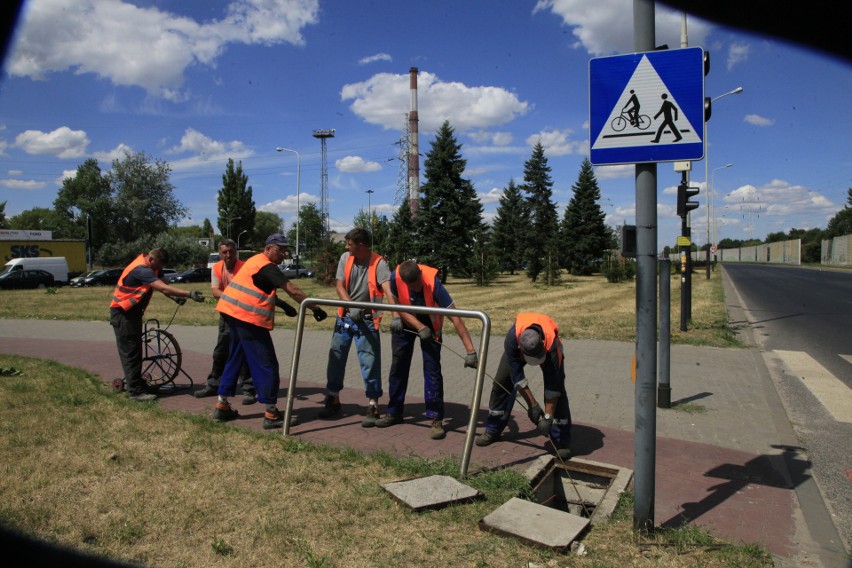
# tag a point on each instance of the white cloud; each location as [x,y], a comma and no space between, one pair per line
[116,153]
[615,172]
[492,196]
[356,164]
[604,27]
[289,204]
[556,142]
[737,53]
[62,142]
[25,184]
[777,198]
[15,172]
[495,138]
[374,58]
[384,99]
[758,120]
[205,150]
[145,47]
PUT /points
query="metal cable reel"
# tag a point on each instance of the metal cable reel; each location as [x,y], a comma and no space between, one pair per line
[161,356]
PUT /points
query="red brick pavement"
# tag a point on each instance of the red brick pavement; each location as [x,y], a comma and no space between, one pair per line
[736,495]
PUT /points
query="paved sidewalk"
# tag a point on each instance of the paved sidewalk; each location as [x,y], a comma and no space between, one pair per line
[726,456]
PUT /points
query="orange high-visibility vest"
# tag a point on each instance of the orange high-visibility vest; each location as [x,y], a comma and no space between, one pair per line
[219,269]
[376,291]
[428,274]
[548,326]
[246,302]
[125,297]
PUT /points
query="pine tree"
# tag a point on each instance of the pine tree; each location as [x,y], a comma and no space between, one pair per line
[543,235]
[584,235]
[401,242]
[236,206]
[841,223]
[450,213]
[510,225]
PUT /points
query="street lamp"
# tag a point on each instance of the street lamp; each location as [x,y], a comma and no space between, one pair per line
[238,239]
[736,91]
[298,192]
[370,193]
[228,225]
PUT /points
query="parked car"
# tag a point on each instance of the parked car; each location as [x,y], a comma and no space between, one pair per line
[296,271]
[108,277]
[78,279]
[192,275]
[24,279]
[169,273]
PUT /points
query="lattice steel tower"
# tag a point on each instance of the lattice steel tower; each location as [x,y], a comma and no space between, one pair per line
[402,175]
[323,135]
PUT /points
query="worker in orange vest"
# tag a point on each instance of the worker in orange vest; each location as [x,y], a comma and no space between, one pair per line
[220,276]
[532,340]
[132,293]
[362,276]
[248,306]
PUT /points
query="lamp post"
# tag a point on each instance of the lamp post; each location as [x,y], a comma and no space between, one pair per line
[736,91]
[238,240]
[298,192]
[228,225]
[370,193]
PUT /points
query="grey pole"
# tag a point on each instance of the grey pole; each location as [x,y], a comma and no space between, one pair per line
[645,429]
[664,388]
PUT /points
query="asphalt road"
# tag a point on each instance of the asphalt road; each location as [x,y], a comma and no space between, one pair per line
[800,318]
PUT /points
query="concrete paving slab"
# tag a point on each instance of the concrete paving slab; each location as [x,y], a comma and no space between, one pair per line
[535,524]
[431,492]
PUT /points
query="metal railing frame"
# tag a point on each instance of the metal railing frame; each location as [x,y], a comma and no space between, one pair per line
[480,368]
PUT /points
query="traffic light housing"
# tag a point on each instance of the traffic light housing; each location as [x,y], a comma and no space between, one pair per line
[708,103]
[684,194]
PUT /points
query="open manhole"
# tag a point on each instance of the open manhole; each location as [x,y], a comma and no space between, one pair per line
[581,487]
[567,498]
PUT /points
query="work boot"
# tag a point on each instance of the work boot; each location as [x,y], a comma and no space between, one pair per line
[437,432]
[389,420]
[205,392]
[142,397]
[249,398]
[332,407]
[372,416]
[224,412]
[275,419]
[563,453]
[487,438]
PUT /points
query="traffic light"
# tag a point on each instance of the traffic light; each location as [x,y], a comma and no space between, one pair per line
[684,205]
[708,103]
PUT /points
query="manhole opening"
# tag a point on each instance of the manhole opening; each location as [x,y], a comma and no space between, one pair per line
[582,488]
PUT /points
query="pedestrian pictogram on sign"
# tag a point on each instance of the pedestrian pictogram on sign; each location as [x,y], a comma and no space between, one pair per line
[647,107]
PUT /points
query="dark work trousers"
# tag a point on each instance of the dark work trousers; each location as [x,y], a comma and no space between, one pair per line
[402,345]
[502,400]
[128,338]
[220,356]
[251,344]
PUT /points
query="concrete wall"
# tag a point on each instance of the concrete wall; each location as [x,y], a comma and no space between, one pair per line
[782,252]
[837,251]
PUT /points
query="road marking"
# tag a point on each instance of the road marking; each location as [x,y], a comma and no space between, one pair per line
[832,393]
[848,358]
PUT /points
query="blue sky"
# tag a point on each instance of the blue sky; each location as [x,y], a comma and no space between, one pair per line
[195,82]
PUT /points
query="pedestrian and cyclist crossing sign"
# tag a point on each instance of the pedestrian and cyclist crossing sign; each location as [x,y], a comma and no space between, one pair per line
[647,107]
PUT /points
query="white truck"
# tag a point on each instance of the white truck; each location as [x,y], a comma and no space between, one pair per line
[56,265]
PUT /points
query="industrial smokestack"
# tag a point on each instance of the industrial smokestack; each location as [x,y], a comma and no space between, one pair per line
[413,147]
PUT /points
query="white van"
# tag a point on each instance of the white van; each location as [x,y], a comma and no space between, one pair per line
[56,265]
[212,259]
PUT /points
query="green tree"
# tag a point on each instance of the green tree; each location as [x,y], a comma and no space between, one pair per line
[401,243]
[585,237]
[207,229]
[841,223]
[38,219]
[265,224]
[450,212]
[88,193]
[144,201]
[542,239]
[3,221]
[236,206]
[310,231]
[508,237]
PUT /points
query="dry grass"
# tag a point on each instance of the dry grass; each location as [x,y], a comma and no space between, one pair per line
[86,468]
[584,307]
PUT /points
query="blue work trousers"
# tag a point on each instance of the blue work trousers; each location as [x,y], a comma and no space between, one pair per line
[433,381]
[503,394]
[369,349]
[251,344]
